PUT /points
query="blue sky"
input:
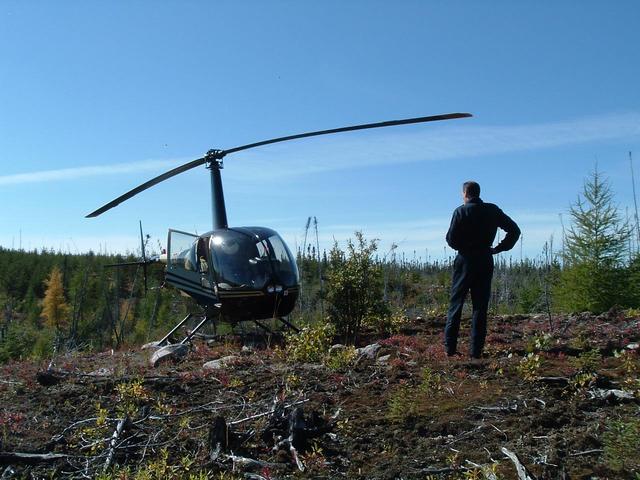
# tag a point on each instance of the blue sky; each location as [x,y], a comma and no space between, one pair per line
[97,97]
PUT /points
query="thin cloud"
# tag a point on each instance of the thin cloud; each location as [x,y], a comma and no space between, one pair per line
[438,142]
[85,172]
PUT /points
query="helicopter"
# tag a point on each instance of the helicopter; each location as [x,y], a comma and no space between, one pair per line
[235,274]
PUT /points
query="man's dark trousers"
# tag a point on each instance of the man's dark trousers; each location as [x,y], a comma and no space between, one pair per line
[470,273]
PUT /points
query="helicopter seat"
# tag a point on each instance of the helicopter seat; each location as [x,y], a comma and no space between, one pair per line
[188,265]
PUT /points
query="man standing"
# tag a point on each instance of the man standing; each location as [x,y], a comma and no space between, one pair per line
[472,231]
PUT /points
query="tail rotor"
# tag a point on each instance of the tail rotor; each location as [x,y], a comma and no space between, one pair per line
[144,262]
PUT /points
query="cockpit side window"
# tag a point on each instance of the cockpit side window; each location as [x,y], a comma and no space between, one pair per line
[284,264]
[202,254]
[183,251]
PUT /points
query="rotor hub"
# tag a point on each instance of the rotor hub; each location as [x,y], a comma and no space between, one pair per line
[214,157]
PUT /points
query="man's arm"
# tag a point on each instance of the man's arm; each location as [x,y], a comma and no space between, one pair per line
[513,232]
[454,231]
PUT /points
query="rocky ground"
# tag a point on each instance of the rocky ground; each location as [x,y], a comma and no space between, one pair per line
[556,398]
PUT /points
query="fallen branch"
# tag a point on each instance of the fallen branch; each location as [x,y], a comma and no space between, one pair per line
[464,435]
[264,414]
[556,380]
[8,473]
[435,471]
[613,394]
[586,452]
[30,458]
[500,431]
[61,374]
[254,476]
[294,454]
[203,407]
[60,436]
[10,382]
[523,473]
[114,440]
[250,463]
[506,409]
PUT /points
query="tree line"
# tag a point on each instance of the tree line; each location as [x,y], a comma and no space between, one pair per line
[51,300]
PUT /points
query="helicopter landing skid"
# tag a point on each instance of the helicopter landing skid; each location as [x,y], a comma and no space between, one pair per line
[285,322]
[263,326]
[165,350]
[165,340]
[290,325]
[174,329]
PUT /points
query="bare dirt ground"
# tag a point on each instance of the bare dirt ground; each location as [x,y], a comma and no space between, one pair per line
[408,412]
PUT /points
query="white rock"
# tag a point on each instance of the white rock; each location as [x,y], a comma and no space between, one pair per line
[220,362]
[604,394]
[383,359]
[370,351]
[338,347]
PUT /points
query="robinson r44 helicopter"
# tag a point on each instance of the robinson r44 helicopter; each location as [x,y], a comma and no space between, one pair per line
[235,274]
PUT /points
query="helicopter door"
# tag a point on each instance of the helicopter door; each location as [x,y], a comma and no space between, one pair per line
[187,268]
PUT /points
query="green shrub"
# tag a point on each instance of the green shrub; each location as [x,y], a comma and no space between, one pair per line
[18,343]
[340,359]
[355,288]
[43,346]
[529,366]
[588,361]
[530,298]
[621,445]
[310,344]
[402,404]
[539,342]
[431,381]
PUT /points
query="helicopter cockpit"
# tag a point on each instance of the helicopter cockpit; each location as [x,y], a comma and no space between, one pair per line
[235,264]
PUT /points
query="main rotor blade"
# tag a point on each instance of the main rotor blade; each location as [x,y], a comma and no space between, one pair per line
[390,123]
[149,184]
[125,264]
[221,154]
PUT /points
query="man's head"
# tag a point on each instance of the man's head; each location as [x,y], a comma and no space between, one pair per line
[470,190]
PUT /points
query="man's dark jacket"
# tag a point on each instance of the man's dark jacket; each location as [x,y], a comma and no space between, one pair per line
[474,225]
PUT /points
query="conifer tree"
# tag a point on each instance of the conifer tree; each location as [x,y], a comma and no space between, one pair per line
[54,307]
[595,247]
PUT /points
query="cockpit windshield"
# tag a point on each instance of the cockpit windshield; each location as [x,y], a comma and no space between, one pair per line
[245,261]
[239,261]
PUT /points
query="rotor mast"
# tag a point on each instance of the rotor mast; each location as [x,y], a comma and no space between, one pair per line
[218,209]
